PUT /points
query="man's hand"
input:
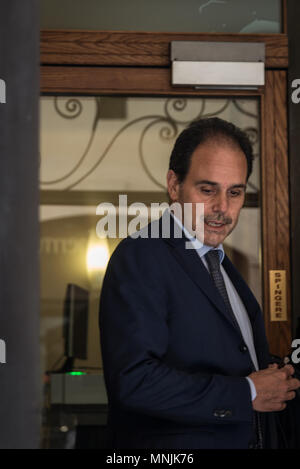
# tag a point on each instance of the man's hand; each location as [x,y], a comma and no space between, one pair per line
[274,386]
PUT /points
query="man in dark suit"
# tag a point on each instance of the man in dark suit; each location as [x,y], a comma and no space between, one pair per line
[185,356]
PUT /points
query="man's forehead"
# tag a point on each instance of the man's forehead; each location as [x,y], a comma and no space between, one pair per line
[211,156]
[212,147]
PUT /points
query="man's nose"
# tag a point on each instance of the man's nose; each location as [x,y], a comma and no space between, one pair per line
[220,203]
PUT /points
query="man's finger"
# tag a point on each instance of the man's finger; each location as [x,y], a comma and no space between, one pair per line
[288,369]
[277,406]
[290,395]
[293,383]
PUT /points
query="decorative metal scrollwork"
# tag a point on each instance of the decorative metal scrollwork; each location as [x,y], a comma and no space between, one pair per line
[73,108]
[252,134]
[170,121]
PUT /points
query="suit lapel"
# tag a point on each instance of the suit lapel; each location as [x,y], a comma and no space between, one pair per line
[194,267]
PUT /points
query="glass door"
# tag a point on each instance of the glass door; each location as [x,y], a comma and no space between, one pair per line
[109,119]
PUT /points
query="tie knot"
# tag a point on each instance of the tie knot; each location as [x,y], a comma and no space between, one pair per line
[213,260]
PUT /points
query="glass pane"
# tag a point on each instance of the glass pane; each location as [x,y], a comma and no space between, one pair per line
[234,16]
[92,150]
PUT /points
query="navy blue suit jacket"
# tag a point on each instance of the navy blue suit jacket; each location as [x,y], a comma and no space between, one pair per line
[174,362]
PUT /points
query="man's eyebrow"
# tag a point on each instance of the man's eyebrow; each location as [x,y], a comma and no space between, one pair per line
[213,183]
[239,186]
[204,181]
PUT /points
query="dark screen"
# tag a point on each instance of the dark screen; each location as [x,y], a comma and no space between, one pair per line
[76,310]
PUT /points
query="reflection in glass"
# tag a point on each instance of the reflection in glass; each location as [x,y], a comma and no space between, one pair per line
[234,16]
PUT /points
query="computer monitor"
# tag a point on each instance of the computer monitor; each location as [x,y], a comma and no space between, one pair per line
[76,308]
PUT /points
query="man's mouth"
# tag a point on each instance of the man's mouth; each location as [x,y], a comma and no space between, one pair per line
[215,224]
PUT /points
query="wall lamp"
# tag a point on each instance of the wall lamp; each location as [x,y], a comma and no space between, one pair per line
[218,65]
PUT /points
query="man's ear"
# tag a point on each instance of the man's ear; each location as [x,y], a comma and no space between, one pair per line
[173,185]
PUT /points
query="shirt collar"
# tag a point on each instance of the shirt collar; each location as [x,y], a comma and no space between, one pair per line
[201,248]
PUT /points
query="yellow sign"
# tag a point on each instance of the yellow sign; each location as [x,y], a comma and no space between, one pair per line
[278,310]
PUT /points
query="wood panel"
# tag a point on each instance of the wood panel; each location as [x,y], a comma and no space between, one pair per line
[64,47]
[275,202]
[120,81]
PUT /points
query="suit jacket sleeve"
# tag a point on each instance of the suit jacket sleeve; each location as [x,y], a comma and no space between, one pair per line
[134,339]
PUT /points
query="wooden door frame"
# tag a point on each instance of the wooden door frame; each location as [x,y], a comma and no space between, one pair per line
[138,63]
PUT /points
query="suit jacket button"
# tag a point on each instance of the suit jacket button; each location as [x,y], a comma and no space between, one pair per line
[222,413]
[243,348]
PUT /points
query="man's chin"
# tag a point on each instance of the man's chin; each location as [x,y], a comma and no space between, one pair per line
[214,239]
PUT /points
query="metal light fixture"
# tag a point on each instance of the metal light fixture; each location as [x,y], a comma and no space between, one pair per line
[218,65]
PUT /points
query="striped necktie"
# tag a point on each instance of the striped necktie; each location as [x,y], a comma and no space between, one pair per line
[213,262]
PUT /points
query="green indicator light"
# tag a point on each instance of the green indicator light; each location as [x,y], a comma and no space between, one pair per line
[76,373]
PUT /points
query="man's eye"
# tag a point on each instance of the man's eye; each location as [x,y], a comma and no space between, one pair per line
[206,191]
[235,193]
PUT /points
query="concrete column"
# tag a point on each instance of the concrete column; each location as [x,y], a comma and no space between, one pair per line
[20,377]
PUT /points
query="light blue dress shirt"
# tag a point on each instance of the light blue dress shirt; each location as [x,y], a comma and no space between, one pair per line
[237,305]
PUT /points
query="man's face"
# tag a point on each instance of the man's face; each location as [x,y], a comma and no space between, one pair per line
[217,177]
